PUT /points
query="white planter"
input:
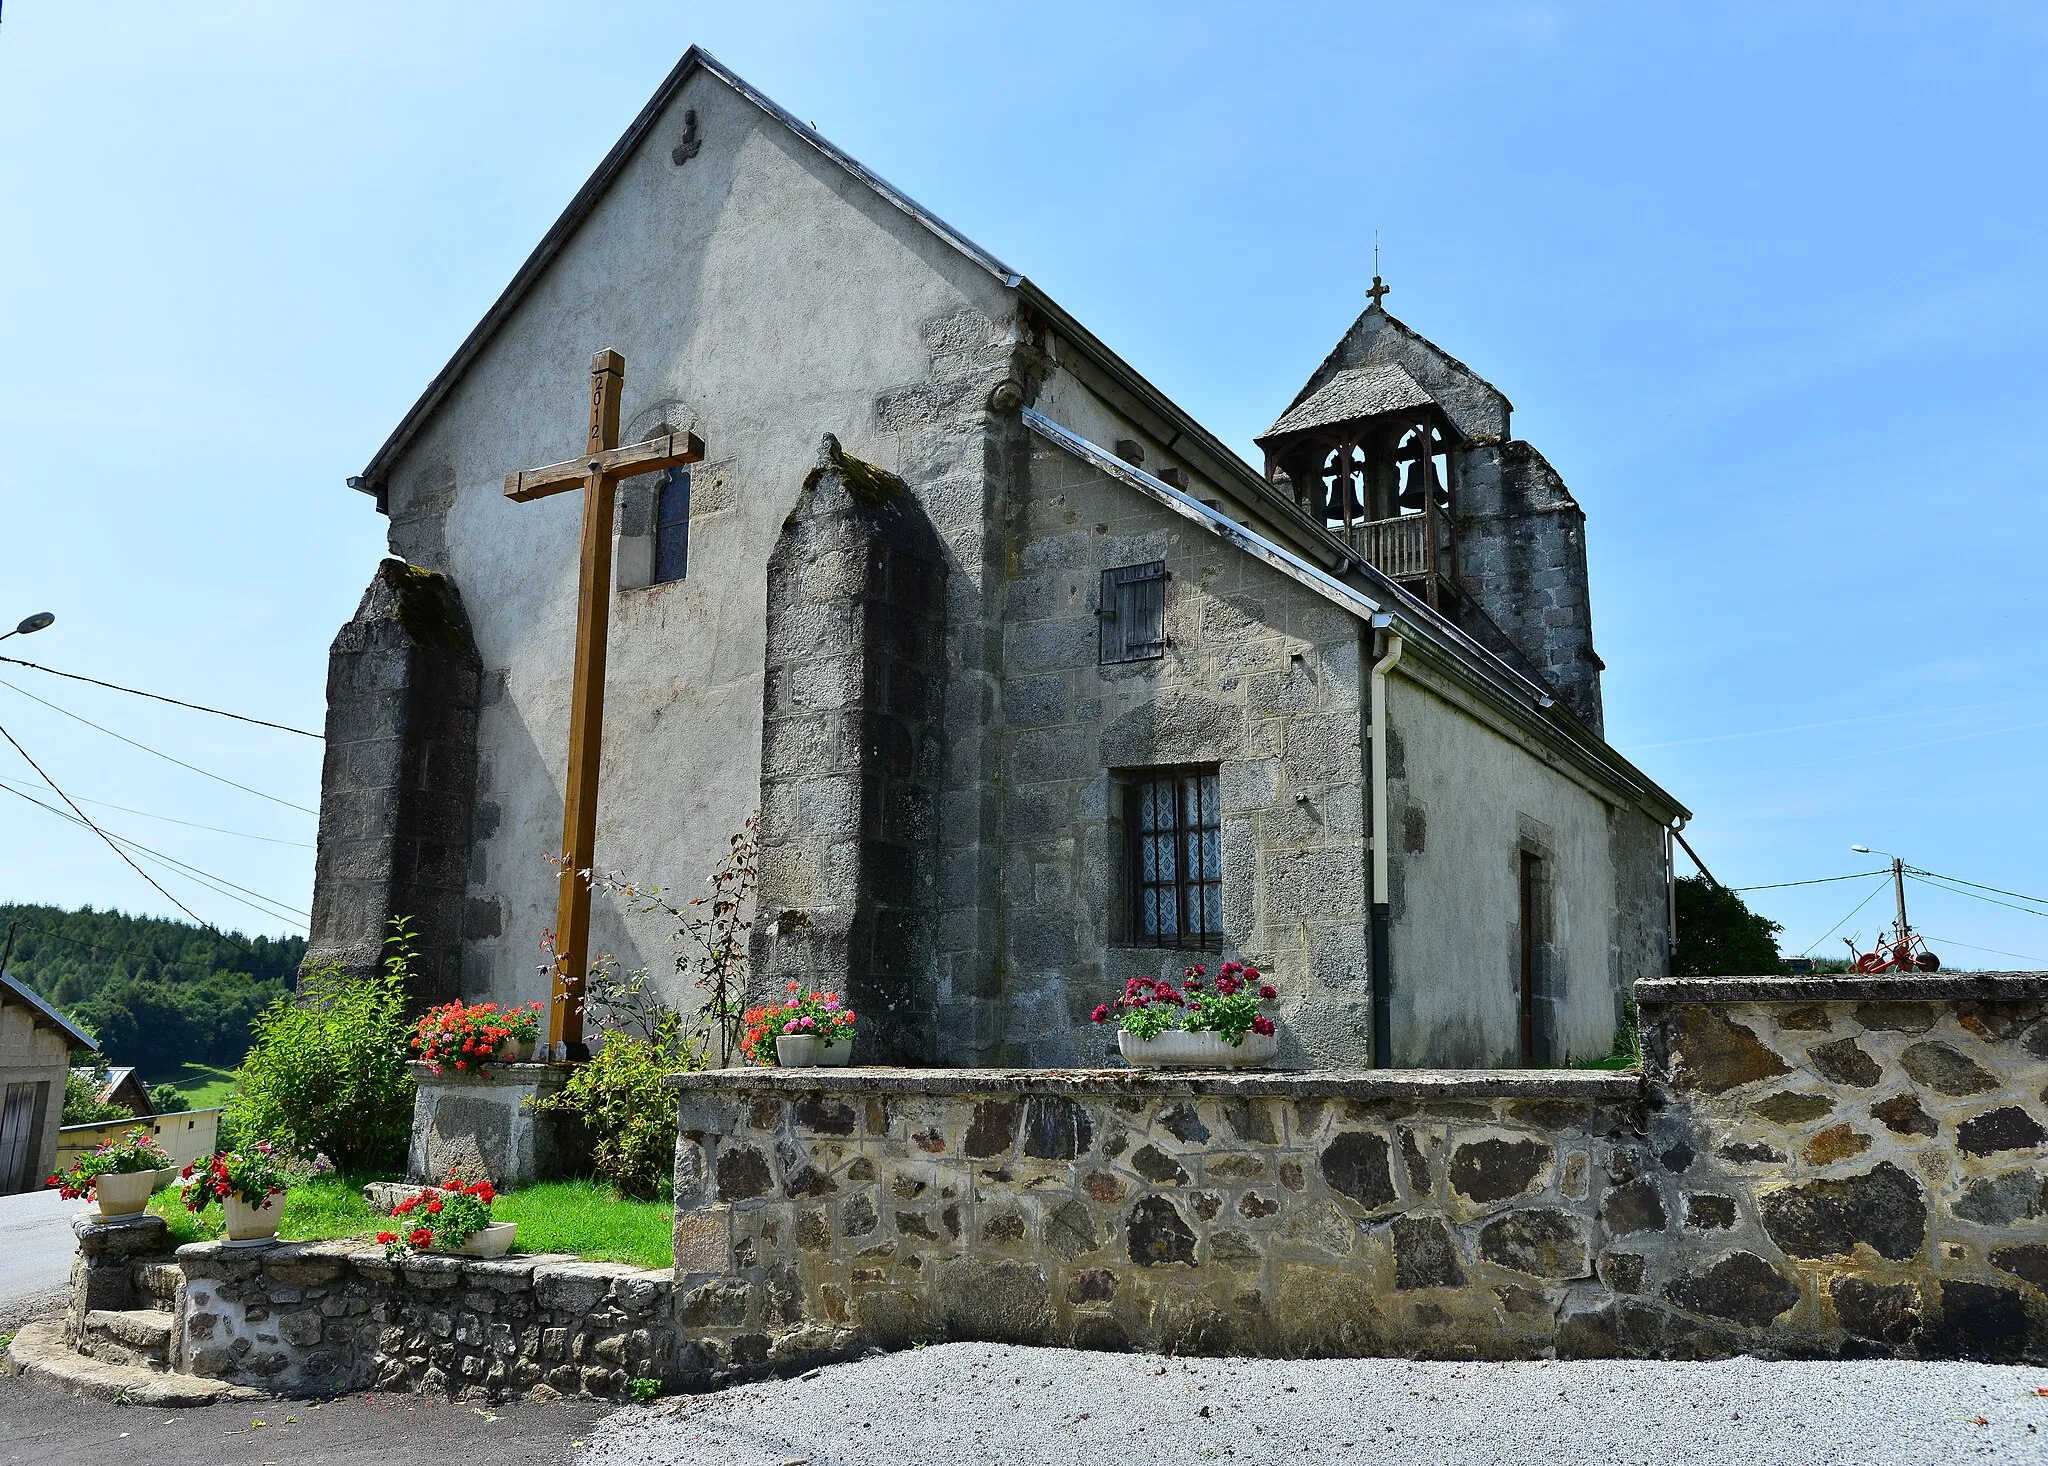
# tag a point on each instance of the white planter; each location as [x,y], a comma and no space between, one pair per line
[494,1240]
[248,1223]
[1176,1050]
[811,1053]
[123,1194]
[514,1051]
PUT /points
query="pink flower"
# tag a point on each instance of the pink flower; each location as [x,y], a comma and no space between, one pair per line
[1269,992]
[1262,1025]
[1101,1013]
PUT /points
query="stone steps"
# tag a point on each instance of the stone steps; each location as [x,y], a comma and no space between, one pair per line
[38,1351]
[137,1337]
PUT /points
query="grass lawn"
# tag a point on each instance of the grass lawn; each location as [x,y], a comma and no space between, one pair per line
[203,1086]
[580,1217]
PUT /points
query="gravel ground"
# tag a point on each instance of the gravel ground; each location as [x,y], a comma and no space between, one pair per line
[976,1403]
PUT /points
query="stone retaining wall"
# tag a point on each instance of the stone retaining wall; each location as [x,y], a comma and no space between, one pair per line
[324,1317]
[1847,1171]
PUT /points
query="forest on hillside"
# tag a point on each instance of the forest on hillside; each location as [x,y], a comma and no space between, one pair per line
[156,993]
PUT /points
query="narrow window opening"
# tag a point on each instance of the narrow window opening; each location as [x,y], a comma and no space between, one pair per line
[1174,858]
[672,527]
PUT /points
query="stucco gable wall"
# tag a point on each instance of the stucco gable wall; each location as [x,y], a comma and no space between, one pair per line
[1463,803]
[761,297]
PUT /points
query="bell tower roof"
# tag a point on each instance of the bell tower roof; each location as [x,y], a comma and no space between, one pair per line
[1355,392]
[1473,405]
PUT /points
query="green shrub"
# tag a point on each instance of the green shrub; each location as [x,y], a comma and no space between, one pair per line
[168,1099]
[82,1104]
[632,1119]
[327,1072]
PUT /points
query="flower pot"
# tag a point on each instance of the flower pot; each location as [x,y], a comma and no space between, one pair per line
[793,1052]
[248,1223]
[123,1193]
[1176,1050]
[493,1241]
[516,1051]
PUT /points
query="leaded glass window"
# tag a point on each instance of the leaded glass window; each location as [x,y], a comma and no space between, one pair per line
[1174,832]
[672,527]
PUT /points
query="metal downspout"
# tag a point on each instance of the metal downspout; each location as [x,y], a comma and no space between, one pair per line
[1382,911]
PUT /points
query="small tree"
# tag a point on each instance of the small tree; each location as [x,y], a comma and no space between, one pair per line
[82,1102]
[327,1071]
[167,1099]
[1719,936]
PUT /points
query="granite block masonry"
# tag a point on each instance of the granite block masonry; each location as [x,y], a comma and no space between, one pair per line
[483,1127]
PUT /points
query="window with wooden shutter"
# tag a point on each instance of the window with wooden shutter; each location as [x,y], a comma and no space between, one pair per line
[1133,612]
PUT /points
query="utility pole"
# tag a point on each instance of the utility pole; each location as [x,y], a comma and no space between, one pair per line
[1899,890]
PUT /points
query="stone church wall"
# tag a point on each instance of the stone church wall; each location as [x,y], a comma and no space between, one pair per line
[1260,677]
[1803,1169]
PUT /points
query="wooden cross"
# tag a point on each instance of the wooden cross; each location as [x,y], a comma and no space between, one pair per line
[602,465]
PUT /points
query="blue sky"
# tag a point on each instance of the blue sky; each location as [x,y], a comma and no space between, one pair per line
[1764,283]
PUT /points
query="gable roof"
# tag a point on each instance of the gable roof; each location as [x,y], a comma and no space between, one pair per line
[1379,318]
[585,203]
[13,987]
[1355,392]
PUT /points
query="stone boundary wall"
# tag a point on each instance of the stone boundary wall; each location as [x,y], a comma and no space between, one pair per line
[1803,1169]
[320,1318]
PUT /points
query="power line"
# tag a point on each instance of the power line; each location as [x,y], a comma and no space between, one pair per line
[158,752]
[188,824]
[129,862]
[175,702]
[1971,946]
[1987,900]
[220,885]
[1816,881]
[1846,920]
[1914,870]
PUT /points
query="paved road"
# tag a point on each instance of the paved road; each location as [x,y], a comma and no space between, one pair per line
[42,1426]
[36,1244]
[976,1404]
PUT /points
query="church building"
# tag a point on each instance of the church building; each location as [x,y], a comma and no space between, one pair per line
[1035,684]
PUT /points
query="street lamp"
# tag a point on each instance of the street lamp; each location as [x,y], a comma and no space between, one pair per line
[29,625]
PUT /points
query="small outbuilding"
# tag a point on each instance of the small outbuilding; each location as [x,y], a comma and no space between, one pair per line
[36,1044]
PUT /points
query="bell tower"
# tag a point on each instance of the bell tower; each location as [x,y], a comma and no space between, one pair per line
[1402,452]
